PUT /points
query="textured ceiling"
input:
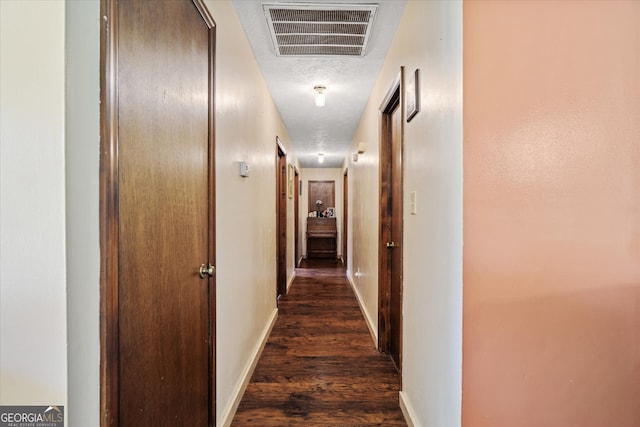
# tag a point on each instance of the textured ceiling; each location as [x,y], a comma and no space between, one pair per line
[349,80]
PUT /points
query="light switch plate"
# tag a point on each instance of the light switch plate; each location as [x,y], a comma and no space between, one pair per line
[413,208]
[244,169]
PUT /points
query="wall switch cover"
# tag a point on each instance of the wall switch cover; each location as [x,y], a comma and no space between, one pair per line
[413,208]
[244,169]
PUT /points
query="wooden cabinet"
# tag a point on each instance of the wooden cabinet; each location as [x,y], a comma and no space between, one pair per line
[321,238]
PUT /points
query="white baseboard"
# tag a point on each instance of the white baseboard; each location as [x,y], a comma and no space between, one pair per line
[407,410]
[231,409]
[290,282]
[373,330]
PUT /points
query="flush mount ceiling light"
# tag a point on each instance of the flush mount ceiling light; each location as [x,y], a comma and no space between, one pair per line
[319,95]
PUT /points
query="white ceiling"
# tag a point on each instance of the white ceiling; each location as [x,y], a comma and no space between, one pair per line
[349,81]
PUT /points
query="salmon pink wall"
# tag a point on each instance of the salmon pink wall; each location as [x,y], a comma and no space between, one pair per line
[551,270]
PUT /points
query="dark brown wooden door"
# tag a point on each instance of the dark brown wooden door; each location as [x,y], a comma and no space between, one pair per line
[164,311]
[324,191]
[395,263]
[390,245]
[281,222]
[345,215]
[296,217]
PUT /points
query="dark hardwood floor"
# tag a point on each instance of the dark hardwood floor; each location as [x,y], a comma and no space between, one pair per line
[320,366]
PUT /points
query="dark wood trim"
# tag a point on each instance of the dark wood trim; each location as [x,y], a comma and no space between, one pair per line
[209,21]
[296,217]
[281,220]
[345,215]
[109,221]
[392,100]
[384,272]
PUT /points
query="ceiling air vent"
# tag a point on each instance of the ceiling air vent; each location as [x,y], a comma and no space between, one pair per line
[319,30]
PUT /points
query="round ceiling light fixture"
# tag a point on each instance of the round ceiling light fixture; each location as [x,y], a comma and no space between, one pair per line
[320,95]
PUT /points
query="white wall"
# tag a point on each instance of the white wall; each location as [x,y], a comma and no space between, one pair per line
[362,244]
[321,174]
[83,245]
[429,38]
[36,314]
[33,337]
[432,338]
[247,124]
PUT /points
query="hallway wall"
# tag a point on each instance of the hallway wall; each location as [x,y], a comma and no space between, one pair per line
[429,38]
[551,214]
[49,279]
[82,169]
[33,336]
[247,123]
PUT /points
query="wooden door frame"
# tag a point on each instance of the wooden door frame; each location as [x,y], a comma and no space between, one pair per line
[345,214]
[393,99]
[281,221]
[296,217]
[109,216]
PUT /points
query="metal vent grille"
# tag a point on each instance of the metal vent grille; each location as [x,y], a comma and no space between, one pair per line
[319,30]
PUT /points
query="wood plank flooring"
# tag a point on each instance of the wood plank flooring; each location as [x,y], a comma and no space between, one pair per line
[320,366]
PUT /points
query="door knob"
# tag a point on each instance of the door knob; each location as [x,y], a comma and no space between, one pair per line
[391,244]
[207,270]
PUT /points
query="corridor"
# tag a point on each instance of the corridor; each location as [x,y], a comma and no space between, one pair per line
[320,366]
[520,224]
